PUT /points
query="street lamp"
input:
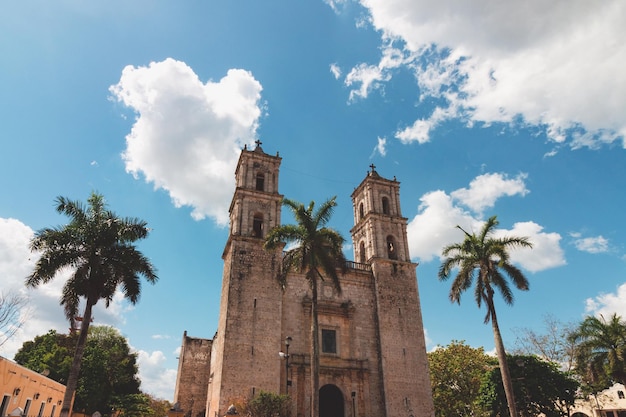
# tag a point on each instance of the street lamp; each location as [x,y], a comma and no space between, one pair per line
[285,355]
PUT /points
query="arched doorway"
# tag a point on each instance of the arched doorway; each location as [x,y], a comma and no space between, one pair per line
[331,401]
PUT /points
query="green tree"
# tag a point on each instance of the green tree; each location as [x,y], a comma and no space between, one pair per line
[540,388]
[481,259]
[456,372]
[158,407]
[600,351]
[267,404]
[49,354]
[318,255]
[108,379]
[98,246]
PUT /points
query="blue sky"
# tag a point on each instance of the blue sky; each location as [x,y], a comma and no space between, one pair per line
[514,109]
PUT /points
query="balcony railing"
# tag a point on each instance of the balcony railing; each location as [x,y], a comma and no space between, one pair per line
[358,266]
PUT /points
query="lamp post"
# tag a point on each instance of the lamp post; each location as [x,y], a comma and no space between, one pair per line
[285,356]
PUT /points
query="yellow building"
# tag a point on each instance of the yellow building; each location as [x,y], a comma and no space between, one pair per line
[28,393]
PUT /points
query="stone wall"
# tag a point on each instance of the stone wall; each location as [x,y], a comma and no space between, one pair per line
[193,376]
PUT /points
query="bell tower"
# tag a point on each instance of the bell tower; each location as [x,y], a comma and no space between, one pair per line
[250,306]
[380,229]
[379,238]
[255,207]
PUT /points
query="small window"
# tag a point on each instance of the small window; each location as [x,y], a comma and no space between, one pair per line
[329,341]
[41,408]
[5,405]
[392,252]
[27,407]
[385,205]
[362,252]
[361,211]
[260,181]
[257,225]
[54,408]
[620,395]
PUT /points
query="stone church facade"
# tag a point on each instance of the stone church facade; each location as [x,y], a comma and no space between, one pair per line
[372,357]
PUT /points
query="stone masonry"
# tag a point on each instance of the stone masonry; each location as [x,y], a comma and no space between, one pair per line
[373,357]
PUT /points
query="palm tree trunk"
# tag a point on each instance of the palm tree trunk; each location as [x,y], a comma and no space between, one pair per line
[315,354]
[504,367]
[72,379]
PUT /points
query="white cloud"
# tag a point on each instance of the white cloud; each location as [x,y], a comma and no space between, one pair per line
[607,304]
[435,226]
[372,77]
[335,70]
[419,131]
[597,244]
[381,147]
[485,189]
[369,77]
[16,263]
[336,5]
[156,379]
[559,64]
[546,252]
[187,136]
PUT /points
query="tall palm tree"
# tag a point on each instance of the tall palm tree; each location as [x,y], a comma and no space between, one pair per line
[317,254]
[480,260]
[600,350]
[97,246]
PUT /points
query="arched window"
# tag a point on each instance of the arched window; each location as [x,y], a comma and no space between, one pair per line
[385,205]
[257,225]
[260,181]
[361,211]
[362,252]
[392,251]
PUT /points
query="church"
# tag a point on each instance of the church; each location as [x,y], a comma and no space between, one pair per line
[372,350]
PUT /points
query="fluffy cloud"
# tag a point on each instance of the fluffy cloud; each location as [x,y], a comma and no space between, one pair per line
[430,230]
[607,304]
[559,65]
[16,263]
[485,189]
[546,252]
[187,136]
[597,244]
[156,379]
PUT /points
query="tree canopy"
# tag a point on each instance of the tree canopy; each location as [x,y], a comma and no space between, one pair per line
[108,380]
[483,261]
[600,351]
[540,388]
[98,247]
[456,373]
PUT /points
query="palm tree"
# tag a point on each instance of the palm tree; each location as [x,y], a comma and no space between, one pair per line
[317,254]
[600,350]
[97,246]
[482,258]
